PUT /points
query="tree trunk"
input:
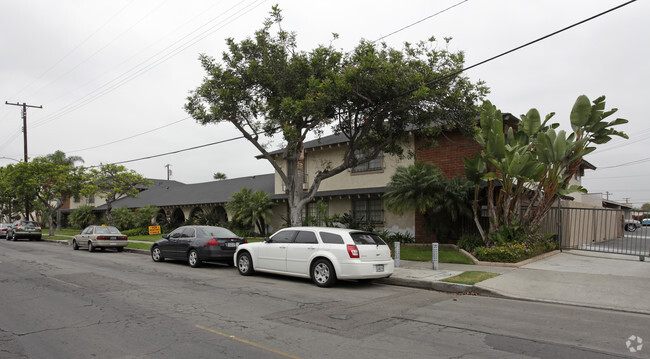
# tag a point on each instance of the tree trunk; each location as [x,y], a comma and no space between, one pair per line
[50,221]
[109,207]
[58,219]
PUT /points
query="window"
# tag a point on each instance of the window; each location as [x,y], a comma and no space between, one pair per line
[373,165]
[77,199]
[331,238]
[310,211]
[283,237]
[306,237]
[91,199]
[176,233]
[188,233]
[368,211]
[367,238]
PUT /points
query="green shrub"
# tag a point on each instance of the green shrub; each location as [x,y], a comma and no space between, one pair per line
[525,247]
[123,218]
[470,242]
[136,232]
[83,217]
[401,237]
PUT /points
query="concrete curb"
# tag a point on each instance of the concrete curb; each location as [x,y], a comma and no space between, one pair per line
[453,288]
[62,242]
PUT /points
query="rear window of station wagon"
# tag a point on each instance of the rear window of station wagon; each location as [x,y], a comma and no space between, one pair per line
[367,238]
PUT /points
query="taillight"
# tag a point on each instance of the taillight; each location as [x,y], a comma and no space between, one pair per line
[245,240]
[102,238]
[353,251]
[212,242]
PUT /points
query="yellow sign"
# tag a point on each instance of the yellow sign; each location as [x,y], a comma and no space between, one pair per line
[154,229]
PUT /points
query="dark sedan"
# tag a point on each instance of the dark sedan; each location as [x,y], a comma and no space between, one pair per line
[197,244]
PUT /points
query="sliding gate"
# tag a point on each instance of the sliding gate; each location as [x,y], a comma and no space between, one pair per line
[600,230]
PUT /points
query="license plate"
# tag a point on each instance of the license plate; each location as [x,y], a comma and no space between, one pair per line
[113,238]
[380,267]
[231,244]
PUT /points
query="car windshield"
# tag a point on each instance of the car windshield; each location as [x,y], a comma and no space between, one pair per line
[218,232]
[366,238]
[106,230]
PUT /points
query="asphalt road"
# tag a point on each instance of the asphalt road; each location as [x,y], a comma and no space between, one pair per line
[60,303]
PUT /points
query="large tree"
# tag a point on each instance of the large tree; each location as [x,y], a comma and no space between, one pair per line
[113,182]
[527,167]
[374,96]
[45,181]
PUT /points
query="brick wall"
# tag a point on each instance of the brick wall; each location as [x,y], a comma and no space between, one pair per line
[451,148]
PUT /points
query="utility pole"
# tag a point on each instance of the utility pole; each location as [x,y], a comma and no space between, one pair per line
[24,106]
[169,171]
[607,193]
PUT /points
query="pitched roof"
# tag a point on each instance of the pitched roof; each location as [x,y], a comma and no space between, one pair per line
[178,194]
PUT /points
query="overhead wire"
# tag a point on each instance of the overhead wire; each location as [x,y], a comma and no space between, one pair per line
[144,67]
[449,75]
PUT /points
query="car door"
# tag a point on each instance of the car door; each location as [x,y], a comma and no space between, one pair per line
[82,238]
[189,234]
[300,252]
[272,254]
[172,247]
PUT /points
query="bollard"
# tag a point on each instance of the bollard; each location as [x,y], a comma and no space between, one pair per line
[397,254]
[434,255]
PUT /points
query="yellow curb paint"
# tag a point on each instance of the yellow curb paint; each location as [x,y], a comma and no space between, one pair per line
[248,342]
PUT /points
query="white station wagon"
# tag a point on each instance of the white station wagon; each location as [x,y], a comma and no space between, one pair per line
[321,253]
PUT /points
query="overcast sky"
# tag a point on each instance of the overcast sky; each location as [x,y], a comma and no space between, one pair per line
[105,71]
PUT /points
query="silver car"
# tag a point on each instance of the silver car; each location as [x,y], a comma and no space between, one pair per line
[100,237]
[24,229]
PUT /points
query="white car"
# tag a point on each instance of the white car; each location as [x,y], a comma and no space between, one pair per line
[321,253]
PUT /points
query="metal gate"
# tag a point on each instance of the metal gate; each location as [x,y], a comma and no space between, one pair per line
[600,230]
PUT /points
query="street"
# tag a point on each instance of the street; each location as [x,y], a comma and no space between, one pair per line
[60,303]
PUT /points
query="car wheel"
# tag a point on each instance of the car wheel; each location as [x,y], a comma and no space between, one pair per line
[120,249]
[630,227]
[193,259]
[7,237]
[245,264]
[322,273]
[91,248]
[156,255]
[75,246]
[14,237]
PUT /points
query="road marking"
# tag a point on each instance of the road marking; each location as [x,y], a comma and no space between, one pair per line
[64,282]
[248,342]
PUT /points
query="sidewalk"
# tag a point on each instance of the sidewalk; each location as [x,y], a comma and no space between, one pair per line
[581,278]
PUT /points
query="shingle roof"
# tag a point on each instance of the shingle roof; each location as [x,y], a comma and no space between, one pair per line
[178,194]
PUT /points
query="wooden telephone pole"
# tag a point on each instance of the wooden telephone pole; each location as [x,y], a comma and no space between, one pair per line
[24,106]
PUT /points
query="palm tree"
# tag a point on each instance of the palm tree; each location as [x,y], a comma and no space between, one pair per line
[251,208]
[422,187]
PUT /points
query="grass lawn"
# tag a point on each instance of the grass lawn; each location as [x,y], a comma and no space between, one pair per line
[422,253]
[134,245]
[471,277]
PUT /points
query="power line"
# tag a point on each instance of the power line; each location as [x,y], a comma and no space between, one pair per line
[143,67]
[435,81]
[178,151]
[130,137]
[419,21]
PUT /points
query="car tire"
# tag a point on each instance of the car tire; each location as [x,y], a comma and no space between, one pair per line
[7,237]
[75,246]
[322,273]
[193,259]
[91,248]
[156,255]
[245,264]
[14,238]
[120,249]
[630,227]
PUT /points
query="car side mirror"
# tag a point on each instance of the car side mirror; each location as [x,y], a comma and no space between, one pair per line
[268,240]
[165,236]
